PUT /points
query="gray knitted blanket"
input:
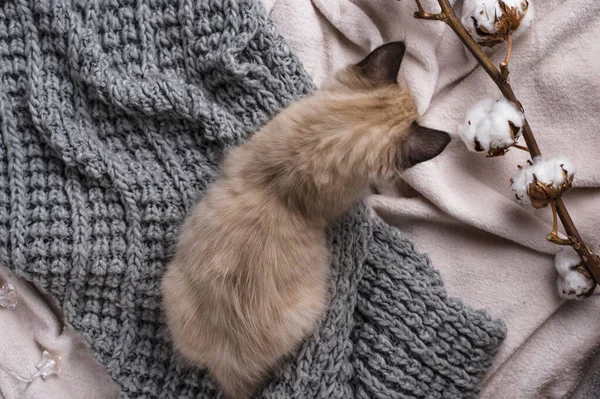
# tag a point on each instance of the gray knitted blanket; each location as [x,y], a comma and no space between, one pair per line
[114,115]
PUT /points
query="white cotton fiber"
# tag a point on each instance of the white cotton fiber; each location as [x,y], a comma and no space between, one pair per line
[488,124]
[490,17]
[565,259]
[570,283]
[527,19]
[480,13]
[521,182]
[548,172]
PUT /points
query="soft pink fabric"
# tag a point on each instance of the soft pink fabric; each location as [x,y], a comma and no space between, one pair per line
[34,326]
[490,250]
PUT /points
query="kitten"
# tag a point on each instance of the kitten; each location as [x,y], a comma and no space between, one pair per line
[249,277]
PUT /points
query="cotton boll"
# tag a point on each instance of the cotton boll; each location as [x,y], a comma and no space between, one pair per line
[570,282]
[546,173]
[565,260]
[480,110]
[490,22]
[504,118]
[475,114]
[542,181]
[520,183]
[483,134]
[574,286]
[492,126]
[479,17]
[562,162]
[509,112]
[552,172]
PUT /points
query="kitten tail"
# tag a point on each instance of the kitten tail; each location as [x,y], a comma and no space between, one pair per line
[236,385]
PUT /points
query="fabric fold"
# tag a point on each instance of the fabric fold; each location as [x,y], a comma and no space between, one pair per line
[114,117]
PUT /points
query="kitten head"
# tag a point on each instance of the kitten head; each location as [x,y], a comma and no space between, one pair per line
[371,91]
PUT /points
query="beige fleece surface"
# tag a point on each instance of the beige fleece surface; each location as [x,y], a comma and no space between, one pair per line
[32,327]
[490,250]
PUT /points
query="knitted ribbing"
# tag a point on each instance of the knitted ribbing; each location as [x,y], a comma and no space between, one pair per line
[114,115]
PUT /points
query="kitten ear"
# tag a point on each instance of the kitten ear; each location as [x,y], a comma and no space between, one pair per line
[383,64]
[422,144]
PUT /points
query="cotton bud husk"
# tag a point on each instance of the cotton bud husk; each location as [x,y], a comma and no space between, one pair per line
[490,22]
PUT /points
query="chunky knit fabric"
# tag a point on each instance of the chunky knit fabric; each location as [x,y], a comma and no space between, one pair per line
[114,115]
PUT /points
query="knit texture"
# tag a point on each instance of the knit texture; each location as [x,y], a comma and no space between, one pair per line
[114,115]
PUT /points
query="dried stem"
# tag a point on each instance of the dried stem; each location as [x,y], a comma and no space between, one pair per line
[420,7]
[590,260]
[504,64]
[508,49]
[553,236]
[521,147]
[554,221]
[421,14]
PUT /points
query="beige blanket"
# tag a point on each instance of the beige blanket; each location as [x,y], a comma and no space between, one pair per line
[34,326]
[490,250]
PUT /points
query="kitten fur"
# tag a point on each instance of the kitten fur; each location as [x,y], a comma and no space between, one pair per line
[249,278]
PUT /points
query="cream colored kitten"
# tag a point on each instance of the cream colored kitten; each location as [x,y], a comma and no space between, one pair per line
[248,281]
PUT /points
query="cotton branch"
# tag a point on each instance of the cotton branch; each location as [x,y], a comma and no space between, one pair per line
[500,77]
[504,64]
[421,14]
